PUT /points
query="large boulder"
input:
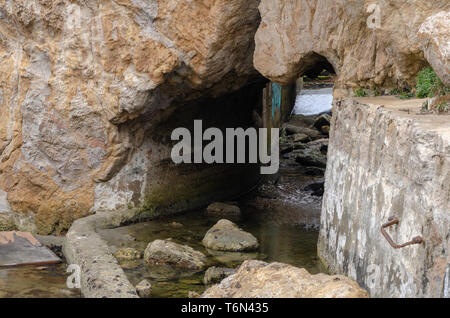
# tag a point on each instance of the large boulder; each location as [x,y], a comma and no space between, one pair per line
[162,252]
[257,279]
[227,236]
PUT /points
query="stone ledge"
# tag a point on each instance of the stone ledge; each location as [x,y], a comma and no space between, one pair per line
[101,274]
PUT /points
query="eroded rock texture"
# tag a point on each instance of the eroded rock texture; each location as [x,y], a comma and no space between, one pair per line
[369,43]
[84,84]
[257,279]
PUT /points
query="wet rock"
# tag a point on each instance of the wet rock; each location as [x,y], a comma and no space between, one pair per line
[286,148]
[216,274]
[221,208]
[257,279]
[169,253]
[311,160]
[128,254]
[227,236]
[313,171]
[317,188]
[292,130]
[144,289]
[322,120]
[301,138]
[295,130]
[176,225]
[193,294]
[325,130]
[302,120]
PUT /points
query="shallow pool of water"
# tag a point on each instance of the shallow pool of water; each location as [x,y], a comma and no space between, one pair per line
[282,243]
[35,282]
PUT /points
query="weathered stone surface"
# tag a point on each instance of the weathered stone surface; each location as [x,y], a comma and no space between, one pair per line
[296,35]
[256,279]
[216,274]
[434,37]
[169,253]
[144,289]
[83,84]
[221,208]
[227,236]
[386,160]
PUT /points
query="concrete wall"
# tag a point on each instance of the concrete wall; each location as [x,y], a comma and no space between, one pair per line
[385,159]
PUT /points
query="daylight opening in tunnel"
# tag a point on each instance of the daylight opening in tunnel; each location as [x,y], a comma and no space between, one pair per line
[315,86]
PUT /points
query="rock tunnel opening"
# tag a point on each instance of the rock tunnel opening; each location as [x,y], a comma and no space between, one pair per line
[317,65]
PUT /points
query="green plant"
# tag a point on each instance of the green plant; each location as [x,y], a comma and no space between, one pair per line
[406,95]
[360,92]
[377,91]
[428,84]
[394,91]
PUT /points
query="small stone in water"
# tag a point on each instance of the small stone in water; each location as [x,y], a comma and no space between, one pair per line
[193,294]
[144,289]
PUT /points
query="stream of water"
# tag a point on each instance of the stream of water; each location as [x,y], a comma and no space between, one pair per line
[282,243]
[313,101]
[279,241]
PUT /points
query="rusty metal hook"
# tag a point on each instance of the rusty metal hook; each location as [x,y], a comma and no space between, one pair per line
[393,220]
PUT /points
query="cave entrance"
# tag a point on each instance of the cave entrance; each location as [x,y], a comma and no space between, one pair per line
[314,85]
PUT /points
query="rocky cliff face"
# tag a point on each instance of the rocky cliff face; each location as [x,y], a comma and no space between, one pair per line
[371,44]
[84,84]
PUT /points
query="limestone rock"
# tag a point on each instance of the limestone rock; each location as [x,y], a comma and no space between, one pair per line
[221,208]
[144,289]
[216,274]
[368,43]
[256,279]
[227,236]
[169,253]
[82,83]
